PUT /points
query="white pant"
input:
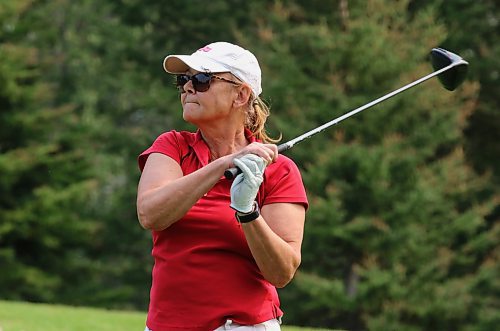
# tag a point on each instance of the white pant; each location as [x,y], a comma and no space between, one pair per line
[271,325]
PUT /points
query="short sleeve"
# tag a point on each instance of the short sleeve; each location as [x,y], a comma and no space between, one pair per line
[167,143]
[283,183]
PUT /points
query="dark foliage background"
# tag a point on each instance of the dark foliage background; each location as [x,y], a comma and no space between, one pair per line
[402,232]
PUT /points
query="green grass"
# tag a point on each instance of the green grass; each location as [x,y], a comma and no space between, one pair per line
[22,316]
[19,316]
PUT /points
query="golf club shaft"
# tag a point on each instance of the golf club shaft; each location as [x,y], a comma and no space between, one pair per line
[233,172]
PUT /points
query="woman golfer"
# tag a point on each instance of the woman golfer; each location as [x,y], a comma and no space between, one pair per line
[220,247]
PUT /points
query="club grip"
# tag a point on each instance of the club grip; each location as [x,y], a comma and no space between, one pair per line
[231,173]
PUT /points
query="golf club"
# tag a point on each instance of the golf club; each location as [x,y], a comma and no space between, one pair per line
[450,68]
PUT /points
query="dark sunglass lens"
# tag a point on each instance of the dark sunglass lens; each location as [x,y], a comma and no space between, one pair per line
[201,81]
[182,80]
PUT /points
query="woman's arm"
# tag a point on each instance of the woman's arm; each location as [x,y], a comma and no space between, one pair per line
[275,240]
[164,195]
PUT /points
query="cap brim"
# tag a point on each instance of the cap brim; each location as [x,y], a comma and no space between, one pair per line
[179,64]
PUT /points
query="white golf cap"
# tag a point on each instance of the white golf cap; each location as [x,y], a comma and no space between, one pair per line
[219,57]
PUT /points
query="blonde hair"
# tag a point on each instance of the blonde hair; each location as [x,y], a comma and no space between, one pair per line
[257,113]
[256,117]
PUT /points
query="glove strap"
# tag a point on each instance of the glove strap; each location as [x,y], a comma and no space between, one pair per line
[248,217]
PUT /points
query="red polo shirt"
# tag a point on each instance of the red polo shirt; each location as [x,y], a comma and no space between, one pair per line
[204,272]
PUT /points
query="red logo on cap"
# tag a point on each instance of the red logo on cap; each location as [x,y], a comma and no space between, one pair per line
[205,49]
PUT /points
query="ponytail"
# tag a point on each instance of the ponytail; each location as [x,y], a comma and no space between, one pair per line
[256,118]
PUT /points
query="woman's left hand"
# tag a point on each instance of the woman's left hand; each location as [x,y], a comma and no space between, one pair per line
[246,185]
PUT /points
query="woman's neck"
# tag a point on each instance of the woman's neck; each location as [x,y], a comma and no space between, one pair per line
[224,142]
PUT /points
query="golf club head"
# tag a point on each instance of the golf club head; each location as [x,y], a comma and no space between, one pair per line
[453,77]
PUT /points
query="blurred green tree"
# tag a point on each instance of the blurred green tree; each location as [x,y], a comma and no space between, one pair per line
[401,232]
[473,30]
[47,173]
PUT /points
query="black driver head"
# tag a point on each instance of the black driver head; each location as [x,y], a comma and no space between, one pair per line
[453,77]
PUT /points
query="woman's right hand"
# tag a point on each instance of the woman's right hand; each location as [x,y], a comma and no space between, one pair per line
[268,152]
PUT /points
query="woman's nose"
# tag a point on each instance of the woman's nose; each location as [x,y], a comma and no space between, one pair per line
[188,87]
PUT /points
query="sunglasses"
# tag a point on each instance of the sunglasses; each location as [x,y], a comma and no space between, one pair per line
[201,81]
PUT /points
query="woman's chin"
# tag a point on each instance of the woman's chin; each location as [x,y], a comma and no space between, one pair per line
[188,117]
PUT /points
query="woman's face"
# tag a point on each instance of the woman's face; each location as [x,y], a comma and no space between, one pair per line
[215,104]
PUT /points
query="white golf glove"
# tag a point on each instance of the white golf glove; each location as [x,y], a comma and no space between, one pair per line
[246,185]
